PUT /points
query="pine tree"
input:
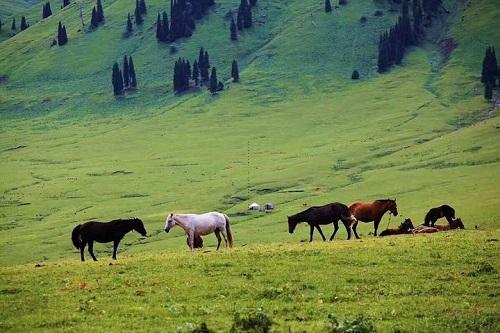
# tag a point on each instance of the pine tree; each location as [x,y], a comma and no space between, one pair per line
[417,21]
[488,91]
[166,27]
[490,67]
[206,60]
[117,80]
[235,72]
[247,18]
[328,6]
[93,21]
[100,12]
[406,32]
[188,71]
[239,19]
[62,37]
[126,73]
[65,3]
[159,29]
[1,25]
[142,7]
[131,71]
[46,10]
[13,26]
[213,81]
[253,3]
[129,24]
[196,73]
[355,75]
[233,29]
[24,24]
[137,13]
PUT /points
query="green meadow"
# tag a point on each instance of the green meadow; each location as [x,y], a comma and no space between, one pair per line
[296,131]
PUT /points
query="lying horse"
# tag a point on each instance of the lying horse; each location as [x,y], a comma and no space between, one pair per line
[422,229]
[199,225]
[454,224]
[315,216]
[438,212]
[102,232]
[372,212]
[405,228]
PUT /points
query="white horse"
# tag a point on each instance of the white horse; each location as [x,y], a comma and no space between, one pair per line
[202,224]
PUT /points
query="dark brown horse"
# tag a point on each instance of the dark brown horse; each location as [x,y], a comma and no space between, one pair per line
[321,215]
[104,232]
[197,241]
[438,212]
[372,212]
[405,228]
[454,224]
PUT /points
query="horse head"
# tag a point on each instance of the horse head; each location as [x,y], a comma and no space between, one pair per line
[392,207]
[169,222]
[407,224]
[139,226]
[458,224]
[292,223]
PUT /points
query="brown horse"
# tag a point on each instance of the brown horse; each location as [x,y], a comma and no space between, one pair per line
[197,241]
[405,228]
[438,212]
[454,224]
[372,212]
[422,229]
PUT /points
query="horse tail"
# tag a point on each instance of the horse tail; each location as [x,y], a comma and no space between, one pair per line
[228,230]
[75,237]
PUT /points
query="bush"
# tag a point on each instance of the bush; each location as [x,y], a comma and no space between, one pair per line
[359,325]
[255,321]
[355,75]
[362,19]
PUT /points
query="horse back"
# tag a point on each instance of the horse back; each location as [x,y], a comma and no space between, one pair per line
[363,211]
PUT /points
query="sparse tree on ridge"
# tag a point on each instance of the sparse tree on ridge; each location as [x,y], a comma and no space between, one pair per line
[490,67]
[126,74]
[137,13]
[233,30]
[62,37]
[117,80]
[65,3]
[196,73]
[93,20]
[129,28]
[235,72]
[159,29]
[13,26]
[131,71]
[24,24]
[166,26]
[328,6]
[213,81]
[99,12]
[142,7]
[46,10]
[1,25]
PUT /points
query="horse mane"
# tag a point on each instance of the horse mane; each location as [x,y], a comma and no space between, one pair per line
[384,200]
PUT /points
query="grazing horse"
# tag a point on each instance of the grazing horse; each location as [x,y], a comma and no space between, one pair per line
[454,224]
[104,232]
[372,212]
[316,216]
[438,212]
[197,242]
[405,228]
[197,225]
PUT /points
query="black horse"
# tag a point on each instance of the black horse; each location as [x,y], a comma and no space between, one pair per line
[438,212]
[104,232]
[315,216]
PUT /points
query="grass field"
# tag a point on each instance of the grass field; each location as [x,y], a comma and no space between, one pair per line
[297,131]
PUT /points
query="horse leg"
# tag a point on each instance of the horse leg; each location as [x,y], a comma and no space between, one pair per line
[223,232]
[321,232]
[354,226]
[335,229]
[91,250]
[348,229]
[311,231]
[191,240]
[376,222]
[82,248]
[219,239]
[115,247]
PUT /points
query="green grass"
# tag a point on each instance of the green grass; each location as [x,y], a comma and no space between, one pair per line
[444,282]
[296,132]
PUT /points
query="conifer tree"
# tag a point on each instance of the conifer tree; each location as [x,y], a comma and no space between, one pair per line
[142,7]
[253,3]
[206,60]
[188,71]
[201,57]
[417,20]
[239,19]
[213,81]
[488,91]
[65,3]
[235,72]
[166,27]
[328,6]
[62,37]
[99,12]
[233,29]
[131,71]
[13,26]
[137,13]
[196,73]
[1,25]
[405,25]
[159,29]
[24,24]
[117,80]
[490,67]
[46,10]
[126,73]
[129,24]
[355,75]
[93,20]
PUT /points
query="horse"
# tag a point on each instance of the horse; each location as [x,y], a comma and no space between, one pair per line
[422,229]
[405,228]
[454,224]
[197,242]
[104,232]
[203,224]
[438,212]
[321,215]
[372,212]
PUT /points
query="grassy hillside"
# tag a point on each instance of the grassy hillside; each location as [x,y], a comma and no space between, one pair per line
[444,282]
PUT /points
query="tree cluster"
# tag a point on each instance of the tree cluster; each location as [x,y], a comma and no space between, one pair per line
[62,37]
[140,9]
[46,11]
[394,42]
[244,17]
[127,79]
[13,26]
[182,75]
[162,28]
[24,24]
[97,15]
[489,72]
[65,3]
